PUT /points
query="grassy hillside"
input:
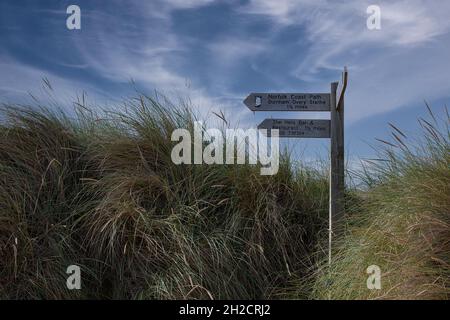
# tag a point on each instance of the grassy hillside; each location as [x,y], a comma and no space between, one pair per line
[100,191]
[403,225]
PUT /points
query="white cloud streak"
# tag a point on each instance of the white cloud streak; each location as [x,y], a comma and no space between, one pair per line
[403,63]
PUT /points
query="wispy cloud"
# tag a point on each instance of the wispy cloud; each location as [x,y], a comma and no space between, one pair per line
[264,44]
[334,27]
[403,63]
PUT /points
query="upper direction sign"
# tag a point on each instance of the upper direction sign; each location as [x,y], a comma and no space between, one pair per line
[288,102]
[298,128]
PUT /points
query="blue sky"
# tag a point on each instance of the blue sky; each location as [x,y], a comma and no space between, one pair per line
[217,51]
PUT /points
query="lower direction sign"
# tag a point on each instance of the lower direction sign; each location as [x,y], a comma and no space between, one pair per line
[298,128]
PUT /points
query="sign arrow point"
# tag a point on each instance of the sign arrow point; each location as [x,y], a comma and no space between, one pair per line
[250,102]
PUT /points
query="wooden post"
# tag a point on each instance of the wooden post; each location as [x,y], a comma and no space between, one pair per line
[337,159]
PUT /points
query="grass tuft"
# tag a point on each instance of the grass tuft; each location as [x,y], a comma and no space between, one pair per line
[99,190]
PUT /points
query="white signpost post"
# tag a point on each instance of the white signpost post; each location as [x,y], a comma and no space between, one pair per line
[298,128]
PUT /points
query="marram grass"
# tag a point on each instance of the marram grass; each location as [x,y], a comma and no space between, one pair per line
[99,190]
[402,226]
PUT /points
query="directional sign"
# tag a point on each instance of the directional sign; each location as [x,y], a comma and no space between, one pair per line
[288,102]
[298,128]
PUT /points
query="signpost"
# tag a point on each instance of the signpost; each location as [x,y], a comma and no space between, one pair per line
[298,128]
